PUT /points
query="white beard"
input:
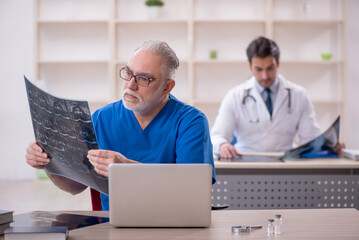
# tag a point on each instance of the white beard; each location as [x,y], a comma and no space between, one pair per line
[142,106]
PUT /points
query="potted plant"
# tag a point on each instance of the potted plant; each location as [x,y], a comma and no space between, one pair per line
[153,7]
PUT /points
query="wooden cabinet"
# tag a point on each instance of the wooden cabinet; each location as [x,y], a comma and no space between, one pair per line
[81,44]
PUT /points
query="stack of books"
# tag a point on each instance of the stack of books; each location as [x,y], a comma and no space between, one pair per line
[43,225]
[6,217]
[37,233]
[29,232]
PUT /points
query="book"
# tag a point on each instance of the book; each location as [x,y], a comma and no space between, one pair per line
[36,233]
[48,219]
[6,216]
[3,227]
[351,153]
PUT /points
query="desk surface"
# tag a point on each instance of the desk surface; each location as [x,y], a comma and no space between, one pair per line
[297,224]
[328,163]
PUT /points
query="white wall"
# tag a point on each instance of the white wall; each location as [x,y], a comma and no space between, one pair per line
[16,59]
[352,97]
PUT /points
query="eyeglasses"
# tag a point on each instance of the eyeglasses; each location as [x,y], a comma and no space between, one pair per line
[140,80]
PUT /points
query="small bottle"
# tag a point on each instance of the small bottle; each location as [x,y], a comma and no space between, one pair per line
[270,228]
[278,224]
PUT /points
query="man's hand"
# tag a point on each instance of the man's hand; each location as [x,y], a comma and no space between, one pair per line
[338,148]
[101,159]
[226,150]
[36,157]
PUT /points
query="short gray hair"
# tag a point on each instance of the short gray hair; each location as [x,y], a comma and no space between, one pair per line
[169,57]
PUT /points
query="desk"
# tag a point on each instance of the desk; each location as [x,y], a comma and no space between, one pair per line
[324,183]
[297,224]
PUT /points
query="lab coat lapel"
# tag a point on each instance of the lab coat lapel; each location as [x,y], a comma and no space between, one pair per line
[282,96]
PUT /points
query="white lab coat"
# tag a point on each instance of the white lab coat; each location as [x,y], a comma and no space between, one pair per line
[267,135]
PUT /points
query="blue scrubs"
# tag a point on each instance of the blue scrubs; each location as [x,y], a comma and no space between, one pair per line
[178,134]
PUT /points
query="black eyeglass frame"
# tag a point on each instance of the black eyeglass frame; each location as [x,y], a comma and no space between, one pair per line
[149,80]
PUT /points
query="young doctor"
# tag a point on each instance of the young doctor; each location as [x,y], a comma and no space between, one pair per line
[266,112]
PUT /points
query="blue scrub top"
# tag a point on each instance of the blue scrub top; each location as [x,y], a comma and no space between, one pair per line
[178,134]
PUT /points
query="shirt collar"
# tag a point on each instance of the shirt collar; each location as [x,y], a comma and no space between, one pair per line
[273,88]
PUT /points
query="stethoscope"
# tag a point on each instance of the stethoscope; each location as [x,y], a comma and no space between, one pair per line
[248,100]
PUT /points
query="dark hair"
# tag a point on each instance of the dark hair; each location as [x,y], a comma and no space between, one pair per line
[262,47]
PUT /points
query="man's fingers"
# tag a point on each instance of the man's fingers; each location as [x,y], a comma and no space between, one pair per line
[99,165]
[32,157]
[338,148]
[36,164]
[37,147]
[100,168]
[232,153]
[94,152]
[100,153]
[228,151]
[39,154]
[35,150]
[103,173]
[225,153]
[35,156]
[94,158]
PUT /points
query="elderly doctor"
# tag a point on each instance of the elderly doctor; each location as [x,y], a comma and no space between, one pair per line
[266,112]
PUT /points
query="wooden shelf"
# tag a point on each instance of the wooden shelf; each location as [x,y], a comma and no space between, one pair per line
[314,101]
[87,61]
[207,101]
[84,34]
[306,21]
[220,61]
[89,21]
[327,102]
[225,21]
[153,21]
[321,62]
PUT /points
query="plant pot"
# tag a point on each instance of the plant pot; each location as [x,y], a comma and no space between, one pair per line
[153,12]
[212,54]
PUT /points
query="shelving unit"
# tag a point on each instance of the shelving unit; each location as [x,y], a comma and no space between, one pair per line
[81,44]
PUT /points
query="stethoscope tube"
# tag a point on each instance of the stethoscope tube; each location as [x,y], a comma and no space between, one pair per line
[289,100]
[248,95]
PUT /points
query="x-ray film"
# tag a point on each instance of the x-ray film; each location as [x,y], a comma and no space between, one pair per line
[320,147]
[64,129]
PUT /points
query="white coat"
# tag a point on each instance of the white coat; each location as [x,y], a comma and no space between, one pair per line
[251,124]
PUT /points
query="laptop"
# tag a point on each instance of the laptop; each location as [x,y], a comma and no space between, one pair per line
[160,195]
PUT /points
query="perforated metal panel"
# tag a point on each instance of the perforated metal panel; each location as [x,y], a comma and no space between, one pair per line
[286,191]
